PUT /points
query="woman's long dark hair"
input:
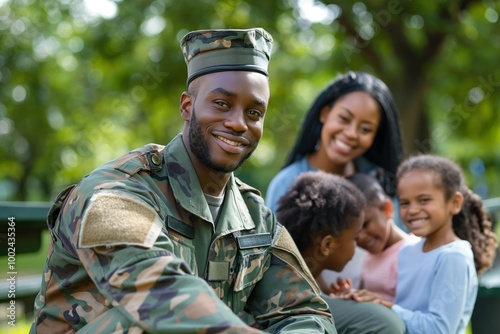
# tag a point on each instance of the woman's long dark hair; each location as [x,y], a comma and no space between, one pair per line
[387,149]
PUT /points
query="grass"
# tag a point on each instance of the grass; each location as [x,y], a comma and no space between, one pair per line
[21,327]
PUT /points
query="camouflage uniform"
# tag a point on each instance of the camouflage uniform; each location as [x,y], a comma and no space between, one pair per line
[134,249]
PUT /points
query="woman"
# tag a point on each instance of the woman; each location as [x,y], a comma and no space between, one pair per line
[352,126]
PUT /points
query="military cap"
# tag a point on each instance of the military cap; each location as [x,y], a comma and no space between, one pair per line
[217,50]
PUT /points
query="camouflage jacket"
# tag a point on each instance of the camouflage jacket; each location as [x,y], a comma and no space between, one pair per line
[134,249]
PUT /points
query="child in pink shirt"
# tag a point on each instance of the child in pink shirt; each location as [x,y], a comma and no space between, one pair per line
[381,238]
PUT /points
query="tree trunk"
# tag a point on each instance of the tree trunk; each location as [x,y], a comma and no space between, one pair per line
[409,95]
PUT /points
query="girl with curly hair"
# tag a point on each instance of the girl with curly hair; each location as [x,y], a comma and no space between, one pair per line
[437,276]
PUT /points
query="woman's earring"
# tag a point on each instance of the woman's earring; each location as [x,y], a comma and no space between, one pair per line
[318,143]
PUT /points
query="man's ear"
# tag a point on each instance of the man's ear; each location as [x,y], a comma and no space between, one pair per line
[456,202]
[186,105]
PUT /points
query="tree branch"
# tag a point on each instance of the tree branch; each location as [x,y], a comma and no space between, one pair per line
[373,58]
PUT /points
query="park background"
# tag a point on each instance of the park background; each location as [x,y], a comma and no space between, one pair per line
[83,82]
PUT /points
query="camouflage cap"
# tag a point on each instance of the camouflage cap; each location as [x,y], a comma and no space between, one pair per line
[208,51]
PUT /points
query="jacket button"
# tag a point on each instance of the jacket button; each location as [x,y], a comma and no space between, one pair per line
[156,160]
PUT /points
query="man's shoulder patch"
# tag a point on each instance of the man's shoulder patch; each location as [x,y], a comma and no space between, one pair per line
[115,218]
[286,250]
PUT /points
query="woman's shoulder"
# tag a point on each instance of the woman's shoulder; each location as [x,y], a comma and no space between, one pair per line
[365,166]
[281,181]
[291,171]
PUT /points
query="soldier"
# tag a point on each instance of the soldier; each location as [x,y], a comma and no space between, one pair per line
[166,238]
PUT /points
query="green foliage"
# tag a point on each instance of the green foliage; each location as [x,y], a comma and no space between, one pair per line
[78,89]
[22,327]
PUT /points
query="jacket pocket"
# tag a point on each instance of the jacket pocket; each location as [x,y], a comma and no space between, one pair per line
[250,268]
[184,249]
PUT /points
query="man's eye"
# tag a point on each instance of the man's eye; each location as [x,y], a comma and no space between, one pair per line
[222,104]
[254,113]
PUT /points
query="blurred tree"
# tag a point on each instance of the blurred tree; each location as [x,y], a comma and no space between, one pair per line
[82,82]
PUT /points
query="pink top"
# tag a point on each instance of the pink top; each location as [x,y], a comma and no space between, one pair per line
[380,271]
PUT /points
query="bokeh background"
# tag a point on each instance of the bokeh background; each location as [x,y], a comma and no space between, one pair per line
[82,82]
[85,81]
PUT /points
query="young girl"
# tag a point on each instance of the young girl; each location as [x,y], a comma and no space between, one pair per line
[380,237]
[324,213]
[352,126]
[437,277]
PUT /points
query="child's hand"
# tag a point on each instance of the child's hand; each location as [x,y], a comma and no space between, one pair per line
[366,296]
[341,288]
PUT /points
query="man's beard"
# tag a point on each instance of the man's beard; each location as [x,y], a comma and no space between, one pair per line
[199,147]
